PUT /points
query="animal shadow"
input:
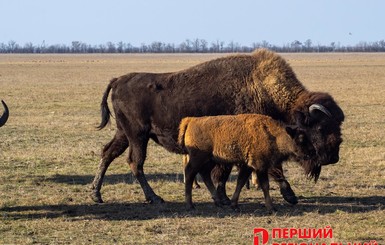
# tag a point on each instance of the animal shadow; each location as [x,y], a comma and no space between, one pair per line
[145,211]
[113,178]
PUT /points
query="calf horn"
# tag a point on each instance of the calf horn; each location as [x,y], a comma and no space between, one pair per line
[319,107]
[4,117]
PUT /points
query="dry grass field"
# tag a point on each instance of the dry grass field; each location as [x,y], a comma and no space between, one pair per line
[49,152]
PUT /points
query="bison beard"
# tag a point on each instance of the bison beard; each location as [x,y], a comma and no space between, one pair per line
[312,169]
[151,106]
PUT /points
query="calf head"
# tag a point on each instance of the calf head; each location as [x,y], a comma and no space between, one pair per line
[302,146]
[304,151]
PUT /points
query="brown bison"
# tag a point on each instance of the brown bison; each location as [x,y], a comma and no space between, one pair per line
[5,115]
[252,141]
[151,106]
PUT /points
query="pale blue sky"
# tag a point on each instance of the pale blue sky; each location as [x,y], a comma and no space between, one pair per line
[143,21]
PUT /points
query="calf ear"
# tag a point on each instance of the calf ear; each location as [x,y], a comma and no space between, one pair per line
[299,118]
[292,131]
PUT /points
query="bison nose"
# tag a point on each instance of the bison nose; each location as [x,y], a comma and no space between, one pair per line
[334,159]
[313,152]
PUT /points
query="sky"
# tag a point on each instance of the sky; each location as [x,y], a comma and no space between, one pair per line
[278,22]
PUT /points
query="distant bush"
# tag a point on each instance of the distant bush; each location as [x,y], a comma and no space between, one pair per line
[188,46]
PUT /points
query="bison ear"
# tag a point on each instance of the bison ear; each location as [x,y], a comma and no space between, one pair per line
[292,131]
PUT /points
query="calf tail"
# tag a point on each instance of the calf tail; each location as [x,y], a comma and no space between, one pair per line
[105,111]
[182,131]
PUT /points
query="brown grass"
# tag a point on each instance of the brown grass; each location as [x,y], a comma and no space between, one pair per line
[49,153]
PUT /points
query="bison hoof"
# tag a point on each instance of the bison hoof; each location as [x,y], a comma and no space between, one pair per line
[155,200]
[235,207]
[293,200]
[190,207]
[289,196]
[96,197]
[225,201]
[271,210]
[218,203]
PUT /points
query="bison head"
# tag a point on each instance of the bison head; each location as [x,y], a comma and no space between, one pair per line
[4,117]
[321,117]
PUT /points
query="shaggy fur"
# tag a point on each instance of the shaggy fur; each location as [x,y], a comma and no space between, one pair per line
[151,106]
[249,140]
[5,115]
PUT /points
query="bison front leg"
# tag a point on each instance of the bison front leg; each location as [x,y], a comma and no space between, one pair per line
[110,151]
[220,174]
[284,186]
[136,157]
[205,173]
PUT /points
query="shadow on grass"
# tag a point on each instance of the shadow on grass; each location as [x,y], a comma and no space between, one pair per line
[120,178]
[112,178]
[144,211]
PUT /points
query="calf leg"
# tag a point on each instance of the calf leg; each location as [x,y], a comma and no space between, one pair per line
[220,176]
[110,151]
[190,174]
[195,183]
[284,186]
[205,173]
[197,162]
[243,178]
[263,180]
[136,157]
[254,181]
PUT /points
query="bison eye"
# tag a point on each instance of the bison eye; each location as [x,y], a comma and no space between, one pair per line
[301,138]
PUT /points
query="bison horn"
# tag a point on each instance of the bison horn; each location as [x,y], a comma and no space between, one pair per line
[4,117]
[319,107]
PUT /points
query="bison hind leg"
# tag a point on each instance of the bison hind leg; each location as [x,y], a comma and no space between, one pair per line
[136,157]
[112,150]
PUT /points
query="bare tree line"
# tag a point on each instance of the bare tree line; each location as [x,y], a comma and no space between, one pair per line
[188,46]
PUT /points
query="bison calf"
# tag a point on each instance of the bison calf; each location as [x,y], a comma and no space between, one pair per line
[252,141]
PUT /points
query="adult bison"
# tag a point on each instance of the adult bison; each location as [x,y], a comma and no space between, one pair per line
[5,115]
[151,106]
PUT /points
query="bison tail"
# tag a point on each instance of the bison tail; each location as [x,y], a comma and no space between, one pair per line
[105,111]
[5,115]
[182,131]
